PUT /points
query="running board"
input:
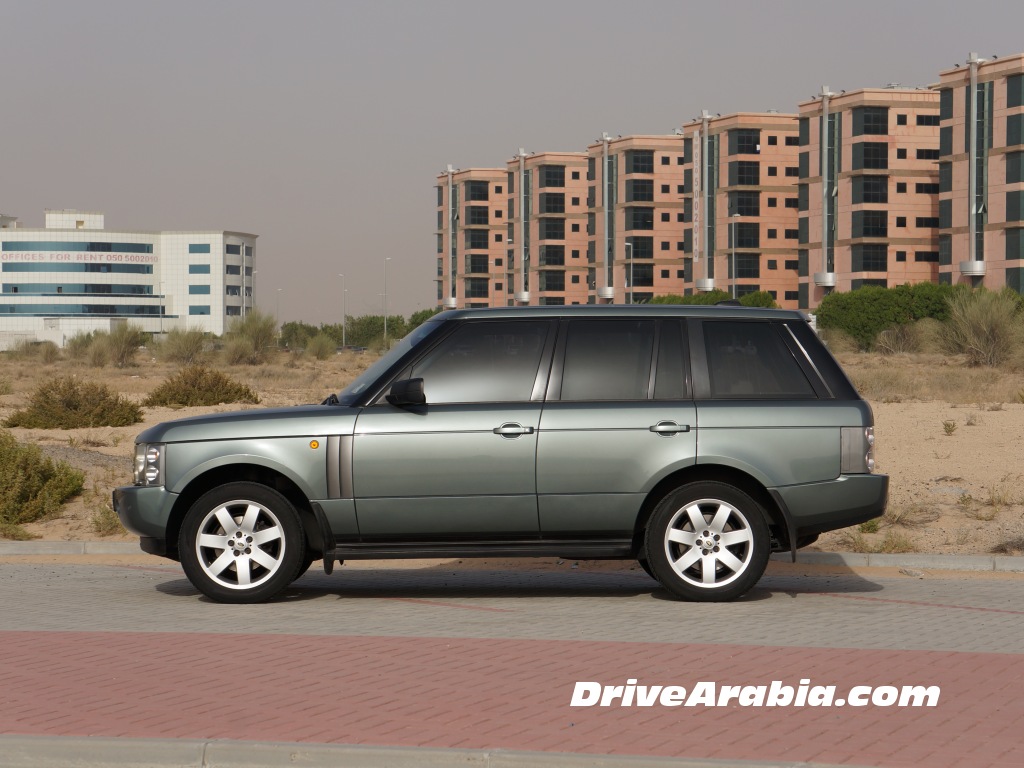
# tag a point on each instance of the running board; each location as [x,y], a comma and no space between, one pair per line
[615,549]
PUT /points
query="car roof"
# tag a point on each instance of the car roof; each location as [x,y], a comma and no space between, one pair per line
[625,310]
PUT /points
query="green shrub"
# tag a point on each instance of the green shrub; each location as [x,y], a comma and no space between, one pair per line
[125,341]
[984,325]
[68,403]
[867,311]
[32,486]
[321,346]
[250,338]
[198,385]
[185,347]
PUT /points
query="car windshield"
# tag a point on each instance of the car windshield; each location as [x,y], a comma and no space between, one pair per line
[371,374]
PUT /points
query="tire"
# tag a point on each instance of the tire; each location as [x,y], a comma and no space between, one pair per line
[242,543]
[642,561]
[707,542]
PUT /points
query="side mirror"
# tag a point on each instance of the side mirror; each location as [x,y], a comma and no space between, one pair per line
[406,392]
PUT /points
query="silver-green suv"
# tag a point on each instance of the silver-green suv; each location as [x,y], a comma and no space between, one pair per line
[696,440]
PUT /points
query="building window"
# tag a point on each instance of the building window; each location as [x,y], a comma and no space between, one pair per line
[927,222]
[745,203]
[199,309]
[640,161]
[773,234]
[773,171]
[926,189]
[901,187]
[901,154]
[901,119]
[477,190]
[575,201]
[552,176]
[927,119]
[476,263]
[476,240]
[927,154]
[665,188]
[792,141]
[901,221]
[792,202]
[773,141]
[665,160]
[870,189]
[870,154]
[1015,91]
[199,269]
[551,202]
[869,258]
[664,245]
[639,218]
[639,190]
[872,121]
[748,265]
[231,269]
[477,215]
[199,248]
[477,287]
[552,229]
[773,202]
[1014,130]
[870,224]
[748,235]
[793,171]
[743,141]
[901,255]
[575,226]
[793,264]
[198,289]
[666,216]
[229,290]
[1014,169]
[792,234]
[928,256]
[745,173]
[233,250]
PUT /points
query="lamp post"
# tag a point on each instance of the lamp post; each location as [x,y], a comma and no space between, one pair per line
[386,260]
[252,290]
[629,259]
[343,292]
[732,222]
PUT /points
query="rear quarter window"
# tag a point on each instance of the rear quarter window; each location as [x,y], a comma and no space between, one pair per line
[749,360]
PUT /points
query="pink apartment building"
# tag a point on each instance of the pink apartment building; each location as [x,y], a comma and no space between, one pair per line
[740,219]
[868,193]
[981,173]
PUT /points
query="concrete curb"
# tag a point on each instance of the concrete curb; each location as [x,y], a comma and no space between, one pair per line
[1002,563]
[96,752]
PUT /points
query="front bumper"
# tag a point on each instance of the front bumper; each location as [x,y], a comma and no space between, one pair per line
[145,511]
[828,506]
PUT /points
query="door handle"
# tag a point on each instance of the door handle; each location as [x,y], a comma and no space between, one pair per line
[511,429]
[669,428]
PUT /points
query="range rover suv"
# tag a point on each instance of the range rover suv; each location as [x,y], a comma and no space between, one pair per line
[696,440]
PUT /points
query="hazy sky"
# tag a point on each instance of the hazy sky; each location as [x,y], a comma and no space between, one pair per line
[320,126]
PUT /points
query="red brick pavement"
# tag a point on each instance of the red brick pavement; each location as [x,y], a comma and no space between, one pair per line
[512,694]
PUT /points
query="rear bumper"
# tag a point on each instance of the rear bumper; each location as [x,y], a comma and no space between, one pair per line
[848,500]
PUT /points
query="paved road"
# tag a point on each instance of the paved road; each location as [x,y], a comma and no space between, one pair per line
[447,656]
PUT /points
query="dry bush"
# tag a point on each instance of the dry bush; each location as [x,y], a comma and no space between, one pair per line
[124,342]
[1010,547]
[321,346]
[839,342]
[48,352]
[910,516]
[900,339]
[5,386]
[928,333]
[32,486]
[985,326]
[24,349]
[104,520]
[896,543]
[68,403]
[185,347]
[99,351]
[77,347]
[250,339]
[198,385]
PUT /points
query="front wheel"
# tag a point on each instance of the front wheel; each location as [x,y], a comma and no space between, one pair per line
[242,543]
[707,541]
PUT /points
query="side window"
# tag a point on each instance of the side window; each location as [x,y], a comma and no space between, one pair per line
[608,360]
[484,362]
[669,381]
[750,360]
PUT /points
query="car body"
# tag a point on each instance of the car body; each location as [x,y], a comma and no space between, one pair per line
[694,439]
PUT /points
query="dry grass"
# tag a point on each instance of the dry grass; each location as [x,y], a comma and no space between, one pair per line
[909,516]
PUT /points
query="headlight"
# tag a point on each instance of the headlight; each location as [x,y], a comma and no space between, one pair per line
[149,464]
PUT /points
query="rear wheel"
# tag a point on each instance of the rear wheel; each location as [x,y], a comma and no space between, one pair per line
[707,541]
[242,543]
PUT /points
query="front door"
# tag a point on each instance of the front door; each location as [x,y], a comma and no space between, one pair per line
[464,463]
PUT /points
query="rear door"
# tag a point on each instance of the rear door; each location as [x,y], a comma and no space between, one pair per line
[618,416]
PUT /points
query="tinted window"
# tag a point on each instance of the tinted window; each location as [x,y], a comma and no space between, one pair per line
[484,362]
[749,360]
[608,360]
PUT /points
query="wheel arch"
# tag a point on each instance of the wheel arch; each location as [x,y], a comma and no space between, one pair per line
[232,473]
[777,521]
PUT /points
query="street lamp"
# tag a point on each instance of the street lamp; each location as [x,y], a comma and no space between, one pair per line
[629,258]
[343,292]
[732,223]
[386,260]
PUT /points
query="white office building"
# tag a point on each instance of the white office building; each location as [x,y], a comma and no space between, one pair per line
[73,275]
